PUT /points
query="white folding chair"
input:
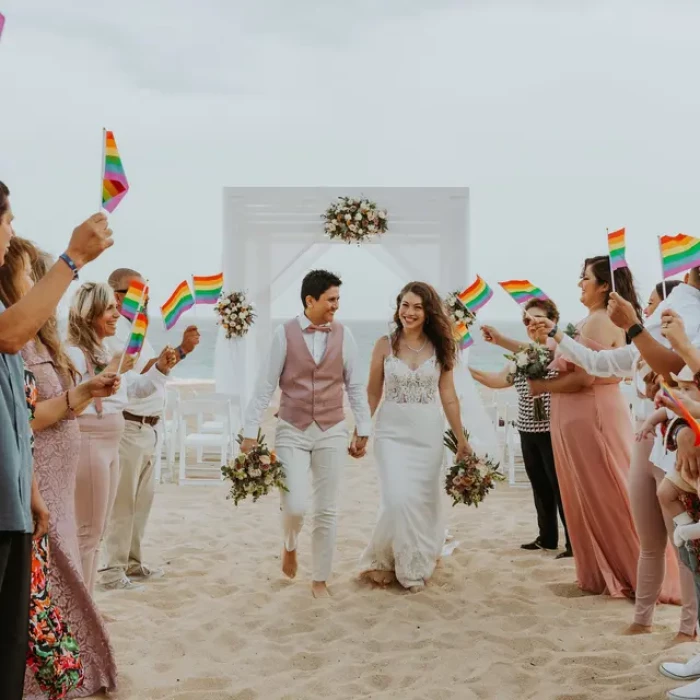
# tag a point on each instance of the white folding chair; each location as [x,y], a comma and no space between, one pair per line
[169,433]
[217,410]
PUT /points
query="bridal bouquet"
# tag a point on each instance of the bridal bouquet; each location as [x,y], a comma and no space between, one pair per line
[354,220]
[532,362]
[469,480]
[457,311]
[236,314]
[254,474]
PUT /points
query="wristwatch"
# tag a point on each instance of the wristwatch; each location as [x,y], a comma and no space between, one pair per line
[635,330]
[181,353]
[553,332]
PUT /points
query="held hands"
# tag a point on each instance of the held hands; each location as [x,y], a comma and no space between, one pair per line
[90,240]
[166,360]
[190,339]
[358,446]
[673,329]
[621,312]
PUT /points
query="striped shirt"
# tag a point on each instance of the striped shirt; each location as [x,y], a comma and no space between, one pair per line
[526,422]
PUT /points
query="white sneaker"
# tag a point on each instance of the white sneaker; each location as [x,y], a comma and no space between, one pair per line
[687,692]
[122,584]
[688,671]
[145,573]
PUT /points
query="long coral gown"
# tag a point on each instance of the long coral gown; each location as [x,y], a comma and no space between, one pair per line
[592,436]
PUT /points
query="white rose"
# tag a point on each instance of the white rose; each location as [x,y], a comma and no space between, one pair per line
[348,217]
[381,215]
[521,360]
[358,217]
[459,314]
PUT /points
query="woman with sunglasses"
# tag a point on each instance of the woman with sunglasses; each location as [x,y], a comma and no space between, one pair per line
[535,438]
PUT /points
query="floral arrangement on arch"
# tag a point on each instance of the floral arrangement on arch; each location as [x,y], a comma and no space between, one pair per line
[236,314]
[354,220]
[469,480]
[254,474]
[457,311]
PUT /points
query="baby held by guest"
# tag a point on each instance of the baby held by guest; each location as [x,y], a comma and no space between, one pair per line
[675,483]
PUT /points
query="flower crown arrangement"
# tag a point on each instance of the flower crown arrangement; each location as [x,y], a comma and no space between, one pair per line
[254,474]
[469,480]
[354,220]
[457,311]
[236,314]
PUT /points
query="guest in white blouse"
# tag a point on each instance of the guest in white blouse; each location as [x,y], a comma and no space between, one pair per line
[649,349]
[93,318]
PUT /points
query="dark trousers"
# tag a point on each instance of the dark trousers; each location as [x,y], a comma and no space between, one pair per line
[538,457]
[15,580]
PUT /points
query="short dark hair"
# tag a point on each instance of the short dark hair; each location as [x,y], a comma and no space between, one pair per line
[670,284]
[316,283]
[547,305]
[4,201]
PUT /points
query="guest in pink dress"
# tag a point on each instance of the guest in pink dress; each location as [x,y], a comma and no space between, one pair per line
[592,438]
[56,452]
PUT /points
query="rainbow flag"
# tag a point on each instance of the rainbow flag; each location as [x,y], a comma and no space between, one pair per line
[679,253]
[616,249]
[2,22]
[207,290]
[462,336]
[682,410]
[180,301]
[114,183]
[133,300]
[138,334]
[476,296]
[523,291]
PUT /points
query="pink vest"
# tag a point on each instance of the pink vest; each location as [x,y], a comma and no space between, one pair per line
[310,392]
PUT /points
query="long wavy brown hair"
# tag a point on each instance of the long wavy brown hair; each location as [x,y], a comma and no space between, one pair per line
[90,302]
[20,254]
[437,325]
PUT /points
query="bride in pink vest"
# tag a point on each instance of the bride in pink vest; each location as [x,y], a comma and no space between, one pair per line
[312,359]
[413,369]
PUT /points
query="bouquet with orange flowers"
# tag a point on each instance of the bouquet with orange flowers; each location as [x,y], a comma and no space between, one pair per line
[469,480]
[254,474]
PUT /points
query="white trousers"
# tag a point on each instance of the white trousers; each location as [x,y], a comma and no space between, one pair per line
[324,454]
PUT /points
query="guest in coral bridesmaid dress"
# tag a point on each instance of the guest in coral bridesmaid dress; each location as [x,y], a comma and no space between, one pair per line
[592,438]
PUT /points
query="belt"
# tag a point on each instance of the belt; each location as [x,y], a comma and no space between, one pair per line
[147,420]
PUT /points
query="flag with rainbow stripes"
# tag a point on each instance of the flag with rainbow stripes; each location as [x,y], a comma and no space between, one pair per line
[114,182]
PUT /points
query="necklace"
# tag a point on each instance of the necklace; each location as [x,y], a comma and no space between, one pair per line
[420,349]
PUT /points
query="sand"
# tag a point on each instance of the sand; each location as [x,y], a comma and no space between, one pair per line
[495,622]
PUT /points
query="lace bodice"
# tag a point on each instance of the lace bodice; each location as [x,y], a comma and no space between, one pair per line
[405,385]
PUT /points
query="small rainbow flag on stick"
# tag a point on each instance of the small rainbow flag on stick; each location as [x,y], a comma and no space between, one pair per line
[462,336]
[523,291]
[679,253]
[616,250]
[207,290]
[682,410]
[138,334]
[180,301]
[476,295]
[133,300]
[114,182]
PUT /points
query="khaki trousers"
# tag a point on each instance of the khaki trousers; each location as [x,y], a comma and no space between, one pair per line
[133,502]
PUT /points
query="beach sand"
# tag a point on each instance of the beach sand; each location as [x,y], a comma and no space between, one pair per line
[495,622]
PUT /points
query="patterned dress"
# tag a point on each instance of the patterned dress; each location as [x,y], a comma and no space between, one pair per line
[56,452]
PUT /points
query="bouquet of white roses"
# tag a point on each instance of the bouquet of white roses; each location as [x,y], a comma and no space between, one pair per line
[532,362]
[354,220]
[236,315]
[254,474]
[469,480]
[457,311]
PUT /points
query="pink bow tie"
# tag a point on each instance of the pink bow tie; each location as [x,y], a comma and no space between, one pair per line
[314,329]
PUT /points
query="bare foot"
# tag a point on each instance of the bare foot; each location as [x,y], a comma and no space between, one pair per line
[636,628]
[320,590]
[682,638]
[381,578]
[289,563]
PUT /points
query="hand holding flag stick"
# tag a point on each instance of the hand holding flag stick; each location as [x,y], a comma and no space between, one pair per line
[669,399]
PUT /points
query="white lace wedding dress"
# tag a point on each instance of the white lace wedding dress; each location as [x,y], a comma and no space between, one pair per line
[408,447]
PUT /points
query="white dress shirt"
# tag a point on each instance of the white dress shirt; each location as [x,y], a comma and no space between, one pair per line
[132,386]
[269,378]
[144,405]
[622,362]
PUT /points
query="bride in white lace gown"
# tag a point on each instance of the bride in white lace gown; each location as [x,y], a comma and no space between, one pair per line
[413,369]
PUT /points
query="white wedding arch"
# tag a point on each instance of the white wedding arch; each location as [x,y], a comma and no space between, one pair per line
[272,235]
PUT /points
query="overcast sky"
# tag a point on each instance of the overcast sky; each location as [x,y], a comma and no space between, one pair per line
[561,121]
